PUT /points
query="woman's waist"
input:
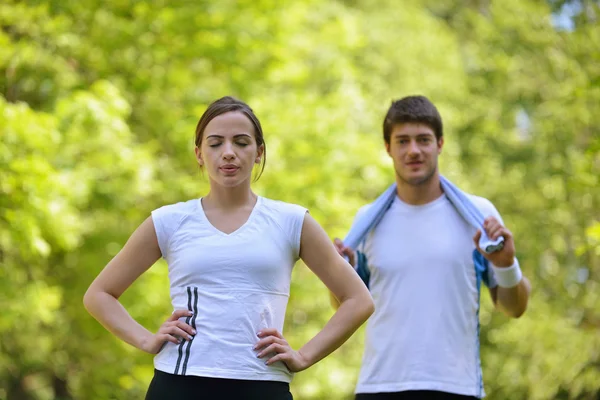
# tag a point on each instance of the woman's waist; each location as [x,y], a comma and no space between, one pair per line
[219,300]
[226,292]
[220,352]
[231,314]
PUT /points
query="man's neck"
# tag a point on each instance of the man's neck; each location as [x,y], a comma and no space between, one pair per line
[419,194]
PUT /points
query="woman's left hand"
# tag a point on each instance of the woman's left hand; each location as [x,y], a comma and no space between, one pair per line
[272,342]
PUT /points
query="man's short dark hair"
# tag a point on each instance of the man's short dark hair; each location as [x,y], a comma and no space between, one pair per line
[412,109]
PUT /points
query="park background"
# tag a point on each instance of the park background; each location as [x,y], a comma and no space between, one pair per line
[98,105]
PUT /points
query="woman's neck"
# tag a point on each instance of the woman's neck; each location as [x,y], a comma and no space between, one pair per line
[229,197]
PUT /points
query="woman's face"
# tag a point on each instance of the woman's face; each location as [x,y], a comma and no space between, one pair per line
[228,150]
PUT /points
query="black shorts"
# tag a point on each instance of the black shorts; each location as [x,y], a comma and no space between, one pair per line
[166,386]
[413,395]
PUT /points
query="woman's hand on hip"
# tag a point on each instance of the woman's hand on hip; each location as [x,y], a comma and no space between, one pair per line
[173,330]
[272,344]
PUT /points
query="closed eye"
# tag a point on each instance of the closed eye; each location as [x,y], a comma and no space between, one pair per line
[242,144]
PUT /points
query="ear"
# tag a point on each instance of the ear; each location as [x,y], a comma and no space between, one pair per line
[440,144]
[387,148]
[259,153]
[198,156]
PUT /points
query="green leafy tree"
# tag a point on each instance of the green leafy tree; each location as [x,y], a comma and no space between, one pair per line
[97,115]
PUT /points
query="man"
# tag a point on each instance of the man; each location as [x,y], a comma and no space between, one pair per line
[419,262]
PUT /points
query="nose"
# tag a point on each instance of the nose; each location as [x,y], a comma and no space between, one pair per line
[228,153]
[413,148]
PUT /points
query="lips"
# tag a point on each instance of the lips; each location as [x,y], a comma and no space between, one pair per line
[229,169]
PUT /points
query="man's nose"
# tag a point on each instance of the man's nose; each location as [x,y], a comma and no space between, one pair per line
[413,148]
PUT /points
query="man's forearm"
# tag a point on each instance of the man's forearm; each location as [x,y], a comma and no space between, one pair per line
[513,301]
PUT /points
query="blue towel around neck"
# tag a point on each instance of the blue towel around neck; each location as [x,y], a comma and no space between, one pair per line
[465,207]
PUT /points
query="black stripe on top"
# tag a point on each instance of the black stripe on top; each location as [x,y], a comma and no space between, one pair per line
[189,344]
[187,321]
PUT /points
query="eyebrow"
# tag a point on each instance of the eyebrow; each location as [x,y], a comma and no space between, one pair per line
[417,135]
[235,136]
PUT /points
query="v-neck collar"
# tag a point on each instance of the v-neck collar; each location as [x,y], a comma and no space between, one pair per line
[238,230]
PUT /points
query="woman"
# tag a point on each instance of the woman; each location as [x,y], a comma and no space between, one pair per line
[230,257]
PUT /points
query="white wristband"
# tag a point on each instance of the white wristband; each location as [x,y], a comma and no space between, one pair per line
[508,277]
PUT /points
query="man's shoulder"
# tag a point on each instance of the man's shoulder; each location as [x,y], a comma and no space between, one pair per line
[484,205]
[363,209]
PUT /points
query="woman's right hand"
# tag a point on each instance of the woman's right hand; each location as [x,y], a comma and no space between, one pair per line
[173,330]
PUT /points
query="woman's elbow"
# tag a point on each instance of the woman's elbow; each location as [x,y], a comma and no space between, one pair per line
[368,306]
[371,306]
[88,299]
[92,298]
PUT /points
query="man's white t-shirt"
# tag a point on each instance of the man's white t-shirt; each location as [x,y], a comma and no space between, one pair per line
[424,333]
[236,284]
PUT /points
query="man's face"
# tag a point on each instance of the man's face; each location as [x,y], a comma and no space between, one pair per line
[414,150]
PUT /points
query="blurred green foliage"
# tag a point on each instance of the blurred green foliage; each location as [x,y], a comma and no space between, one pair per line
[98,103]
